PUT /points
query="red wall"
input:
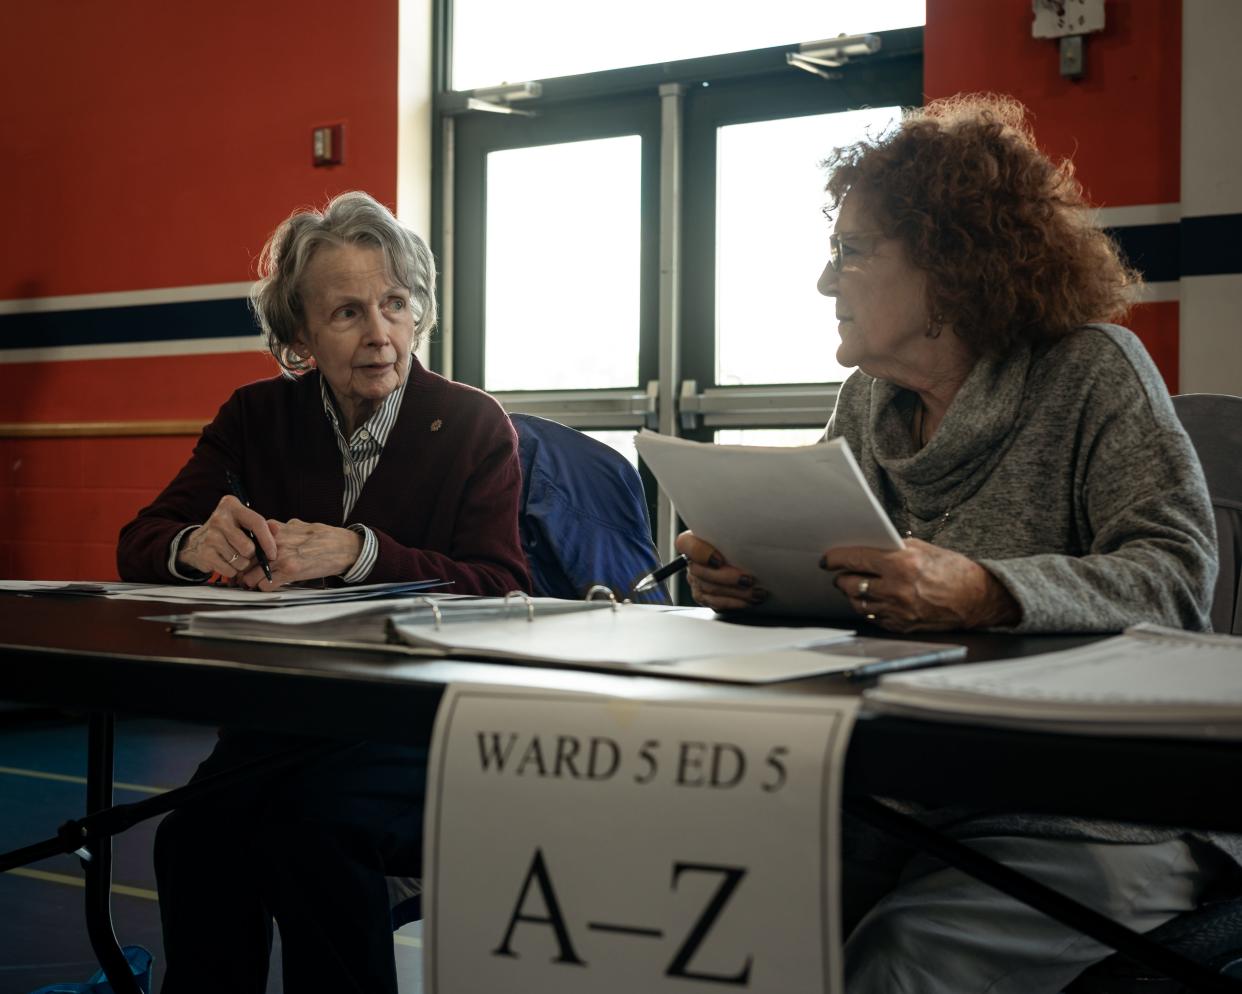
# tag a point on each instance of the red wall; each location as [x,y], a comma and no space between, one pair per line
[1121,123]
[158,143]
[152,144]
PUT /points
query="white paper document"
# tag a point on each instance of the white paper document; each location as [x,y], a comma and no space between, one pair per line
[579,842]
[654,639]
[91,588]
[204,593]
[372,621]
[774,512]
[1149,681]
[207,594]
[632,635]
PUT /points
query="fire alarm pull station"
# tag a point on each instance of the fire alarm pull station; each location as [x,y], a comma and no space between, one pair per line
[328,145]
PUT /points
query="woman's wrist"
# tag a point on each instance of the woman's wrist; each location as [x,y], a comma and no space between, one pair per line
[997,607]
[180,565]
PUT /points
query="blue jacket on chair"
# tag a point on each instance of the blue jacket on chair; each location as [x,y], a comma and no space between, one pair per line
[583,520]
[582,515]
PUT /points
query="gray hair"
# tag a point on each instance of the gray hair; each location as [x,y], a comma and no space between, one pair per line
[353,218]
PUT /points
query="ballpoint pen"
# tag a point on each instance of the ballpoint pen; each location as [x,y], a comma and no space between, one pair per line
[659,575]
[235,485]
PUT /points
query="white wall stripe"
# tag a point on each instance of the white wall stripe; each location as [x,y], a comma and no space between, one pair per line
[1211,74]
[1154,293]
[126,298]
[1211,169]
[1210,359]
[135,350]
[1123,217]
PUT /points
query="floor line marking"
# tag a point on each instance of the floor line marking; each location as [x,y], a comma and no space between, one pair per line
[17,771]
[69,880]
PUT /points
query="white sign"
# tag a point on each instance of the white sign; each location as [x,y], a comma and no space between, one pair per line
[578,842]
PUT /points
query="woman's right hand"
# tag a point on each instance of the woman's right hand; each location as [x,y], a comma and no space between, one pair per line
[713,582]
[221,546]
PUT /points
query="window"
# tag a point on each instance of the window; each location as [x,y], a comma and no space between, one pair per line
[770,246]
[501,42]
[544,216]
[638,246]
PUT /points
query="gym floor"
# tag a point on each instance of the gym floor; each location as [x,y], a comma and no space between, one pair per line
[42,784]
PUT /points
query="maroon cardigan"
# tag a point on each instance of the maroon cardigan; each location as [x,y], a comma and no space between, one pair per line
[442,500]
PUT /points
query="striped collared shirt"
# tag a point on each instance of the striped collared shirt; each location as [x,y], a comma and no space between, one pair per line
[359,455]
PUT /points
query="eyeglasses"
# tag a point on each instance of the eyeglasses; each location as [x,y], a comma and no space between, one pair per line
[835,250]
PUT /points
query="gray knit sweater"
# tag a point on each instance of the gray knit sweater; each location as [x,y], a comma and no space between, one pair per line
[1064,471]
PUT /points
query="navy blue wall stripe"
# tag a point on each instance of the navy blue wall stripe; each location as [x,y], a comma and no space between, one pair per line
[145,323]
[1152,249]
[1198,246]
[1212,245]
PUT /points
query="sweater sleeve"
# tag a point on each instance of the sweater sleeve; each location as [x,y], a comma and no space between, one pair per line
[485,553]
[142,553]
[1144,503]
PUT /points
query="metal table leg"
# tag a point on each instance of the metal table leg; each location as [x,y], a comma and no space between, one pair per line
[91,836]
[97,858]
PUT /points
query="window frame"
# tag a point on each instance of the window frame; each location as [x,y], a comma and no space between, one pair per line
[749,101]
[676,107]
[479,135]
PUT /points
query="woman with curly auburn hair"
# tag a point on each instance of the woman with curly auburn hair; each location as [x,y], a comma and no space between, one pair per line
[1031,456]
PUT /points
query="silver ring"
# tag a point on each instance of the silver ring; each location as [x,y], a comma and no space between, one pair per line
[233,559]
[870,616]
[863,586]
[862,604]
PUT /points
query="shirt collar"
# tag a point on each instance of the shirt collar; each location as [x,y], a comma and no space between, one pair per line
[378,426]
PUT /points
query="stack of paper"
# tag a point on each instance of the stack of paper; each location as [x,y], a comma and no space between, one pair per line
[774,511]
[200,593]
[653,639]
[369,622]
[630,635]
[1149,681]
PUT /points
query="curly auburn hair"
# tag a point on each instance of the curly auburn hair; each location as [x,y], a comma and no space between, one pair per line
[999,228]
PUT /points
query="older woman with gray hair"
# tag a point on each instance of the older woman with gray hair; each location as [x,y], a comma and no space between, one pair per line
[361,466]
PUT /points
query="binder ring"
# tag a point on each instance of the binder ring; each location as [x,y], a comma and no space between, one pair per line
[599,588]
[530,604]
[435,610]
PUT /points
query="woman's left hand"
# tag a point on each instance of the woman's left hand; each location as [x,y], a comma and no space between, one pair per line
[305,551]
[921,587]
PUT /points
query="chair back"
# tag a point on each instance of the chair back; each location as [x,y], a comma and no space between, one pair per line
[1214,424]
[583,513]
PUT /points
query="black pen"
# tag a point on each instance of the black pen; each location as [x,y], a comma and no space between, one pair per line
[236,486]
[659,575]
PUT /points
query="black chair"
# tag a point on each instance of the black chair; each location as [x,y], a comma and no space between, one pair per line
[1214,423]
[1212,933]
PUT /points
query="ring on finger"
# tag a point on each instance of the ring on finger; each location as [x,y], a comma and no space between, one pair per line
[863,586]
[862,604]
[870,616]
[233,558]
